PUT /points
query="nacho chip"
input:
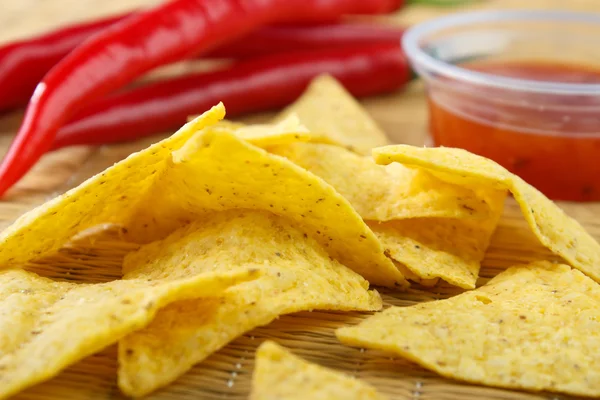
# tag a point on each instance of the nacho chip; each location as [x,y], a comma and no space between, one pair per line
[297,275]
[446,248]
[156,191]
[219,171]
[47,325]
[107,197]
[557,231]
[326,107]
[286,130]
[411,276]
[280,375]
[535,327]
[383,193]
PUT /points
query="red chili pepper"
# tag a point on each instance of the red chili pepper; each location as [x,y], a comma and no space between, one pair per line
[124,51]
[254,85]
[286,38]
[25,62]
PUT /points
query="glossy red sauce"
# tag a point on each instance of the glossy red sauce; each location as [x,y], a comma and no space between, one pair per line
[551,141]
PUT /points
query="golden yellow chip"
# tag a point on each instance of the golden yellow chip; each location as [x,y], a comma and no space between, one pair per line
[297,275]
[286,130]
[280,375]
[447,248]
[411,276]
[327,108]
[156,191]
[534,327]
[383,193]
[557,231]
[219,171]
[46,325]
[108,197]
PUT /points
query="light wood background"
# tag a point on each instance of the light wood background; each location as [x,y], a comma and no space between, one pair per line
[226,374]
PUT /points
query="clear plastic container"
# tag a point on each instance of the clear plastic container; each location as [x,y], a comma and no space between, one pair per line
[519,87]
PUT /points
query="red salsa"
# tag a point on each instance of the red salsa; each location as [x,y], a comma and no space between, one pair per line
[551,141]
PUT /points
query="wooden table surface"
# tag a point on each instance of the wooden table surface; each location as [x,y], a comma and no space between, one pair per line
[403,115]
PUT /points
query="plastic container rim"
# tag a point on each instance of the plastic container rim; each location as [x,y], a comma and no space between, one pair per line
[421,60]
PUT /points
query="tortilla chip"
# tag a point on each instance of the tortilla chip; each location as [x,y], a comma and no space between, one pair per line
[219,171]
[105,198]
[326,107]
[46,325]
[534,327]
[445,248]
[154,192]
[383,193]
[557,231]
[297,275]
[285,131]
[280,375]
[411,276]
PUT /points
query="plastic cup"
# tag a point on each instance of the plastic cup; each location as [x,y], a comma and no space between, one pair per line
[544,127]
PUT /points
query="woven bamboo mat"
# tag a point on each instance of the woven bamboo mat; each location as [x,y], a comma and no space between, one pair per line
[226,375]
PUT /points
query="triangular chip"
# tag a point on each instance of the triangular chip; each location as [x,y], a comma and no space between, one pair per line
[219,171]
[326,107]
[383,193]
[280,375]
[108,197]
[155,191]
[46,325]
[535,327]
[557,231]
[297,275]
[447,248]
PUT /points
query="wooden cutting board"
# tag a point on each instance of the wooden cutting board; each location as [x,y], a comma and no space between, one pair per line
[403,115]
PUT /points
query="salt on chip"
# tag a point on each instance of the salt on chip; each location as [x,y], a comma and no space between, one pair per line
[383,193]
[534,327]
[298,275]
[280,375]
[557,231]
[47,325]
[327,108]
[218,171]
[106,198]
[447,248]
